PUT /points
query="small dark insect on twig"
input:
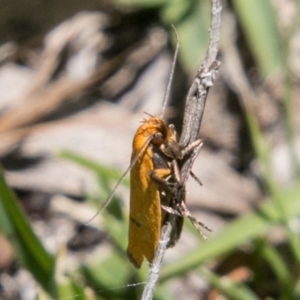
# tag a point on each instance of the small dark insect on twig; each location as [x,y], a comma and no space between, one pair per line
[194,108]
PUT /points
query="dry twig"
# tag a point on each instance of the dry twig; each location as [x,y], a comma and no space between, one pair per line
[194,109]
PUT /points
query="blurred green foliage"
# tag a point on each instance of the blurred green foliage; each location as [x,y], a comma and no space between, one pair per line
[28,248]
[191,19]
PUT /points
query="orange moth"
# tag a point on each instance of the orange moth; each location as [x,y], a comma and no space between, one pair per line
[152,175]
[155,154]
[153,148]
[153,141]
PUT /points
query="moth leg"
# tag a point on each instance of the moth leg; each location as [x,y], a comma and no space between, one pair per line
[185,213]
[161,178]
[176,171]
[177,175]
[171,210]
[196,178]
[182,211]
[195,148]
[190,147]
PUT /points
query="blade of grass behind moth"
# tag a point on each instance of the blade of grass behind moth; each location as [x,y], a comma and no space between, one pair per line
[247,227]
[280,269]
[27,247]
[232,290]
[92,165]
[263,34]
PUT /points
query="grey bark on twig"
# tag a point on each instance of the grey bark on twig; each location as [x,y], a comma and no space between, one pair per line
[194,108]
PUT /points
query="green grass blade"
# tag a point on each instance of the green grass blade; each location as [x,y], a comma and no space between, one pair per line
[92,165]
[27,247]
[259,23]
[235,234]
[105,282]
[296,292]
[191,20]
[280,269]
[230,289]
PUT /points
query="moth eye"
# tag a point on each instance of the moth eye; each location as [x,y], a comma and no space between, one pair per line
[157,139]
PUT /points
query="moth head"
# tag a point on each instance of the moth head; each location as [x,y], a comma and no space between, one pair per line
[158,139]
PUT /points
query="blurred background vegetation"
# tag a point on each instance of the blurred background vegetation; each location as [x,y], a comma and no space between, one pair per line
[75,80]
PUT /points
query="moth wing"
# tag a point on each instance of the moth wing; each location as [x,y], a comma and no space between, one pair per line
[145,213]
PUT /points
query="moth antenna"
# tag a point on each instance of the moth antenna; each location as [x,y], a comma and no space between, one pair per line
[120,180]
[148,114]
[167,93]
